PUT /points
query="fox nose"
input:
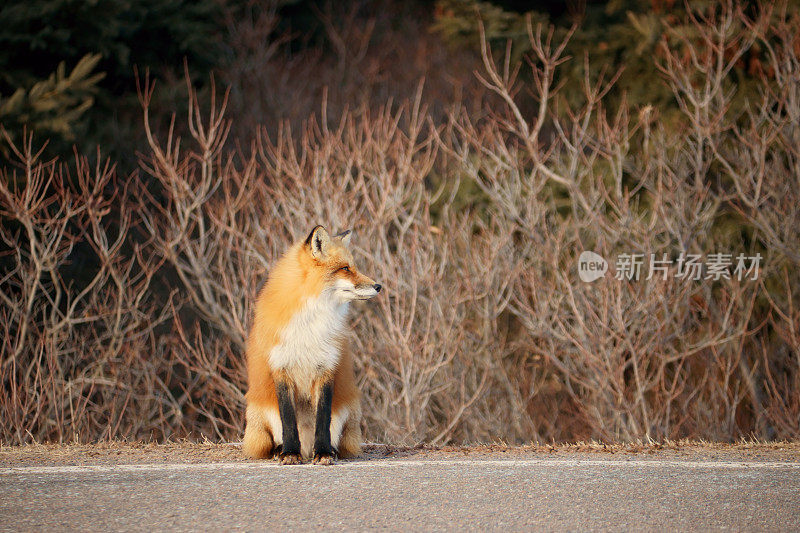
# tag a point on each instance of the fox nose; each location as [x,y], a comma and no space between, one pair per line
[377,287]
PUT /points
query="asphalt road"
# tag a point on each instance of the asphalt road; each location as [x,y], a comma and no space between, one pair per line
[472,494]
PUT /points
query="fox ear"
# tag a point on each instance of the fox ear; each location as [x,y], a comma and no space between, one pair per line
[344,237]
[319,241]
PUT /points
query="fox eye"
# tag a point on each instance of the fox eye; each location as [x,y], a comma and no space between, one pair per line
[345,269]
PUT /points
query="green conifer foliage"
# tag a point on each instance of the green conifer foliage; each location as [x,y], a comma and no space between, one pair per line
[101,41]
[622,36]
[53,105]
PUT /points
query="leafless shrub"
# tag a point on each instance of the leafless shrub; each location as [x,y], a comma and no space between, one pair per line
[650,360]
[366,60]
[75,338]
[368,174]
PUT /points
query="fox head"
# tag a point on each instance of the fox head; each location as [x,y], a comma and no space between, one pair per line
[332,255]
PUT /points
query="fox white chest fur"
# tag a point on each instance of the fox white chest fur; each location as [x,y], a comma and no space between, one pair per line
[310,342]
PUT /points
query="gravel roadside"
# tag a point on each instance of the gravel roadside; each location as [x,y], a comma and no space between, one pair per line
[117,453]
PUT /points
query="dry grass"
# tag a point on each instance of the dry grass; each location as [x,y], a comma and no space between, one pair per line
[186,452]
[124,307]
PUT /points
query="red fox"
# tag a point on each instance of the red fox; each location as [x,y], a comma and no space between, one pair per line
[302,400]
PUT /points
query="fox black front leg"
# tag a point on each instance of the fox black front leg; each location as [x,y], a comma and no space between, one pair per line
[290,453]
[323,451]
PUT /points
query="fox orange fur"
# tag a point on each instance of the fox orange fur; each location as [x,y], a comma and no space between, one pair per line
[302,400]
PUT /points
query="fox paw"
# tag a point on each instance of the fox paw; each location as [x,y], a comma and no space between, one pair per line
[323,459]
[290,459]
